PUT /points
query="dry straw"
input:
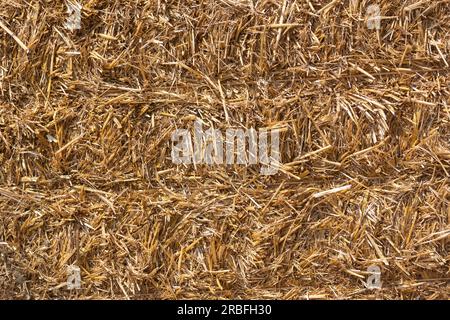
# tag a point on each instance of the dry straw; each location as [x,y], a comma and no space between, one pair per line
[86,177]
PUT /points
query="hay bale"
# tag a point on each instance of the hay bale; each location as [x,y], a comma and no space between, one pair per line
[86,177]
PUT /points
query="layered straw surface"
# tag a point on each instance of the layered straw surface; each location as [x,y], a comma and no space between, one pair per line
[87,179]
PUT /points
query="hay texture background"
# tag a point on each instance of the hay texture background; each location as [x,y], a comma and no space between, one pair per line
[86,177]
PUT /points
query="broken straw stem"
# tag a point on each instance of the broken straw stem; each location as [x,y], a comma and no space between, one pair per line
[331,191]
[24,47]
